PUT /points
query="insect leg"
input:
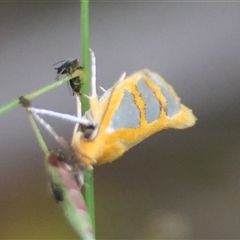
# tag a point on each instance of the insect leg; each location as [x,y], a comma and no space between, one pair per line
[49,128]
[64,116]
[79,106]
[103,89]
[122,77]
[27,104]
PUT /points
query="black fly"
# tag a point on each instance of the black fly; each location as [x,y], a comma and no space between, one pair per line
[68,67]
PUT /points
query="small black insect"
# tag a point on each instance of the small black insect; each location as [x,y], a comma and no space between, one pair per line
[68,67]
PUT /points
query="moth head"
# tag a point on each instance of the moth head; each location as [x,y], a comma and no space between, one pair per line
[88,131]
[83,137]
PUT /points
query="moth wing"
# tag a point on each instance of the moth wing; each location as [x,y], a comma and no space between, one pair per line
[178,115]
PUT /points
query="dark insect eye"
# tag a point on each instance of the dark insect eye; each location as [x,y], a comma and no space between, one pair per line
[87,130]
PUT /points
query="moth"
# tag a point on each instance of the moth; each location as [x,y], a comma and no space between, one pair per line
[135,108]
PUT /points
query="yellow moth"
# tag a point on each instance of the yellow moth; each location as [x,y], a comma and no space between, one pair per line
[135,108]
[126,114]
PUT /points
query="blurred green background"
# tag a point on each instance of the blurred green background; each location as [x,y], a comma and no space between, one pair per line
[174,185]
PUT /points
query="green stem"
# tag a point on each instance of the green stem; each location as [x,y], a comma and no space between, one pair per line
[9,106]
[47,88]
[89,186]
[35,94]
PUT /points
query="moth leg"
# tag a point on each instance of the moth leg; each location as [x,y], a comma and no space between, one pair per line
[79,111]
[49,128]
[103,89]
[122,77]
[63,116]
[79,106]
[27,105]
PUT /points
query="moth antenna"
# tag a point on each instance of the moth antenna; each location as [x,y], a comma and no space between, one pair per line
[63,116]
[79,111]
[103,89]
[93,72]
